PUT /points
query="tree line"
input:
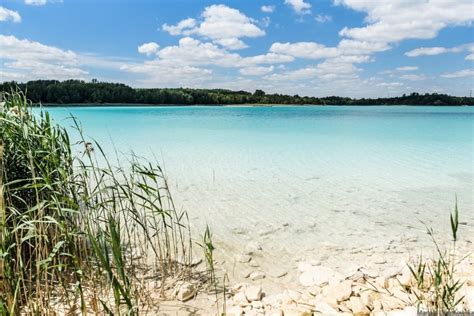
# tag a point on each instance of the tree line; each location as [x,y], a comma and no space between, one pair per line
[94,92]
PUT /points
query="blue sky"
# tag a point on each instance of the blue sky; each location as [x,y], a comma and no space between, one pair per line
[309,47]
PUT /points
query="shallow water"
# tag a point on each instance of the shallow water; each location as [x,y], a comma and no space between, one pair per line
[326,183]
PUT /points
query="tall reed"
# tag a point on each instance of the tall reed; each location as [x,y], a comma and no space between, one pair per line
[76,233]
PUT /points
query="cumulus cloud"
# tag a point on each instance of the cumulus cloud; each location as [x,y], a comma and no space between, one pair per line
[192,62]
[299,6]
[459,74]
[27,60]
[148,48]
[308,50]
[220,23]
[9,15]
[180,27]
[396,20]
[267,8]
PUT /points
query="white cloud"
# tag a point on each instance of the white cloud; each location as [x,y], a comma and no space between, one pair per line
[9,15]
[267,8]
[407,68]
[308,50]
[36,2]
[256,71]
[178,28]
[40,2]
[459,74]
[413,77]
[356,47]
[231,43]
[389,84]
[396,20]
[221,24]
[431,51]
[299,6]
[27,60]
[327,70]
[427,51]
[470,57]
[323,18]
[148,48]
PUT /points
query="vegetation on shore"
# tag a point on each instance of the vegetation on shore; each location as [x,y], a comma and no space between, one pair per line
[77,236]
[79,92]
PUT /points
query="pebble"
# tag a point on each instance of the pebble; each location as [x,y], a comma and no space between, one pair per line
[253,293]
[252,248]
[257,275]
[357,306]
[243,258]
[185,291]
[315,276]
[340,292]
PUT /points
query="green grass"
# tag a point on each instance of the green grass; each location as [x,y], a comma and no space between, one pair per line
[436,286]
[76,235]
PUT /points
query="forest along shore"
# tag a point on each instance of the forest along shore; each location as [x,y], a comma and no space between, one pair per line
[80,92]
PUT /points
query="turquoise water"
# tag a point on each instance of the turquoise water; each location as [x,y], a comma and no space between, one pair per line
[285,174]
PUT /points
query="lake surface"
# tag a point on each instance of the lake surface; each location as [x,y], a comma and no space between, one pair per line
[328,183]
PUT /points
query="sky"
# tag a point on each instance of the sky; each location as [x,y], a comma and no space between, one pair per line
[355,48]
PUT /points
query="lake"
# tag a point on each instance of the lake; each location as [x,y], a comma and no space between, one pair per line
[329,183]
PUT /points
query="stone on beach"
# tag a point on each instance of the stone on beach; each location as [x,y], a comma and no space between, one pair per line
[357,306]
[252,248]
[240,299]
[185,291]
[243,258]
[253,293]
[257,275]
[340,291]
[325,309]
[315,275]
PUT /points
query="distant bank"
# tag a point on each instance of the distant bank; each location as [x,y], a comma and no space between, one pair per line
[77,92]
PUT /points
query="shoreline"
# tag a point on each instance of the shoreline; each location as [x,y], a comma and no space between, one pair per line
[250,105]
[309,287]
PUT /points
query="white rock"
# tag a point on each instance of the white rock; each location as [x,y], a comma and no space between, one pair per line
[315,276]
[240,299]
[304,266]
[246,274]
[407,311]
[341,291]
[243,258]
[469,298]
[278,273]
[357,306]
[390,303]
[314,290]
[254,264]
[252,248]
[236,288]
[253,293]
[257,305]
[325,309]
[185,291]
[257,275]
[294,295]
[234,311]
